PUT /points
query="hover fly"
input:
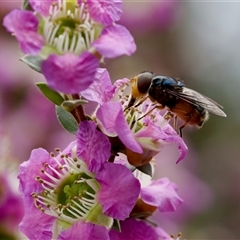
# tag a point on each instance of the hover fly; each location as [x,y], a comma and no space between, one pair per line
[171,93]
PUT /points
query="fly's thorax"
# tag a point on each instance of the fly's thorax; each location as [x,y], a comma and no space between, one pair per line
[161,88]
[159,94]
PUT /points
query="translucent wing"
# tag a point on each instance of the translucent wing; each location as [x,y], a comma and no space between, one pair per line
[197,99]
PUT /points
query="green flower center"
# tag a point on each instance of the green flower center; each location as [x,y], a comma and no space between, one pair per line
[73,192]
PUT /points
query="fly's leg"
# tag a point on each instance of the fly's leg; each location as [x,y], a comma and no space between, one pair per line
[169,116]
[132,101]
[184,125]
[175,123]
[156,107]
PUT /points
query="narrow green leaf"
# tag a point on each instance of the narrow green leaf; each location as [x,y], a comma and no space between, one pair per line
[116,225]
[67,120]
[50,94]
[33,62]
[147,169]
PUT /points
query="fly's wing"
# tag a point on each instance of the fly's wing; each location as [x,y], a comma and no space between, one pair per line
[197,99]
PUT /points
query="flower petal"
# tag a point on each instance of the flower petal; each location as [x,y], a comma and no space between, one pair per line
[173,137]
[92,146]
[151,131]
[41,7]
[112,121]
[119,190]
[101,90]
[115,41]
[84,231]
[10,216]
[36,224]
[30,169]
[162,194]
[24,25]
[69,73]
[105,11]
[20,21]
[162,234]
[30,43]
[166,134]
[133,229]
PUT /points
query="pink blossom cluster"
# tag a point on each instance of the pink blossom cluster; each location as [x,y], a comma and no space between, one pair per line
[95,188]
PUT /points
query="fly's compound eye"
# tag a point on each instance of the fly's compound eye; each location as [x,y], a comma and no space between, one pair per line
[144,81]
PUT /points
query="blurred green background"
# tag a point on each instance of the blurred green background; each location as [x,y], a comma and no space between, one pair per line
[198,42]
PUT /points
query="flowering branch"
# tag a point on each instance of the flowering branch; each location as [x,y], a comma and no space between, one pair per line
[95,185]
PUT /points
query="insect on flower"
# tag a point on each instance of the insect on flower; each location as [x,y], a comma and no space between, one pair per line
[181,102]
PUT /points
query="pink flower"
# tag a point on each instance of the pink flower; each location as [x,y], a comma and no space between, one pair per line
[143,135]
[75,190]
[162,194]
[70,37]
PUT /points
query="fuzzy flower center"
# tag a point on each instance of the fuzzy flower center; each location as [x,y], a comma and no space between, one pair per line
[69,27]
[69,189]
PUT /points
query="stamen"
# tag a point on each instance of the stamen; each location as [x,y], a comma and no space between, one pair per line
[69,14]
[83,210]
[64,5]
[52,8]
[88,201]
[73,42]
[42,200]
[66,42]
[92,184]
[73,213]
[92,34]
[80,46]
[77,12]
[55,180]
[60,175]
[87,40]
[58,42]
[81,11]
[45,183]
[90,194]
